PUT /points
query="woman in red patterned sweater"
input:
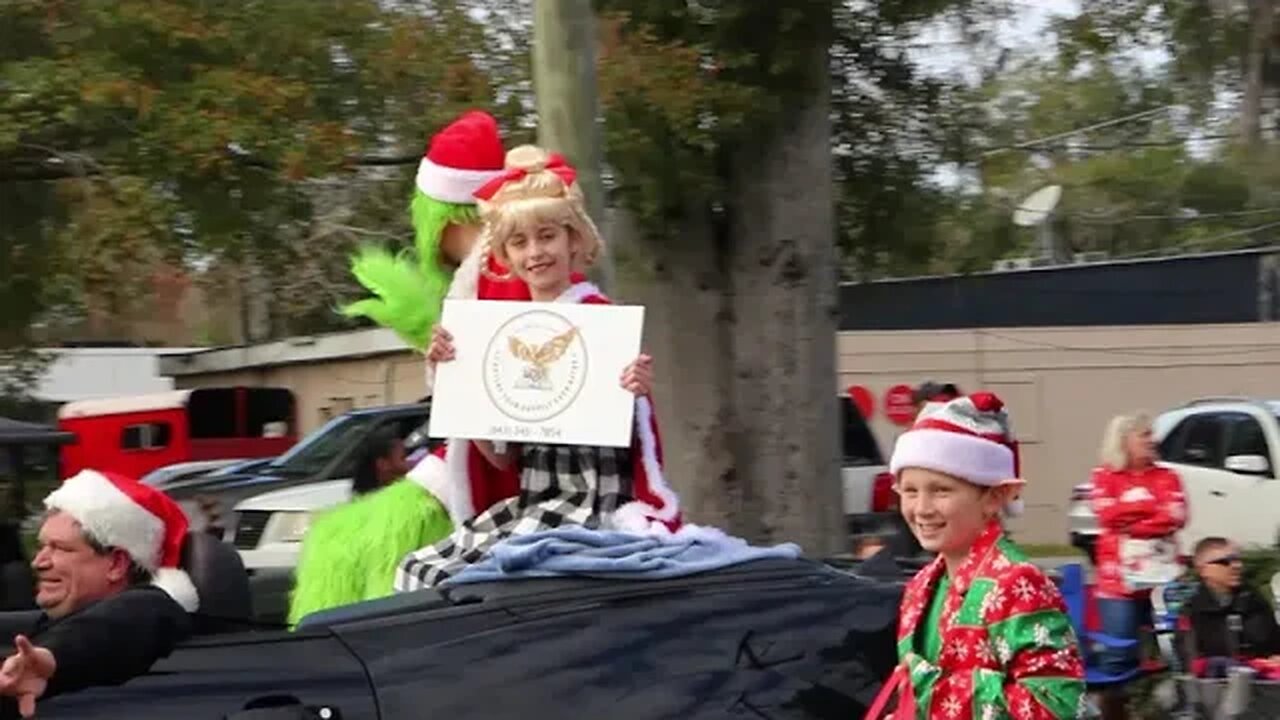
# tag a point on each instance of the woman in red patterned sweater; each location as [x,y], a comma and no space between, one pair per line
[1140,506]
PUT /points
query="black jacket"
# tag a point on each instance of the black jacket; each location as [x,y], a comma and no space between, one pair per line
[108,642]
[1244,627]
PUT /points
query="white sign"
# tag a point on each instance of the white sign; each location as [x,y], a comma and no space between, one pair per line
[537,372]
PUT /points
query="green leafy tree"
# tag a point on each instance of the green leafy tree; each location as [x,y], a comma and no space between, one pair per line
[142,135]
[721,119]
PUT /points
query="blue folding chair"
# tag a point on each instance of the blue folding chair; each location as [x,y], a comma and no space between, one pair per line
[1179,694]
[1075,595]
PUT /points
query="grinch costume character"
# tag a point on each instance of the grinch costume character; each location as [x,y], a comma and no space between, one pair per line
[351,552]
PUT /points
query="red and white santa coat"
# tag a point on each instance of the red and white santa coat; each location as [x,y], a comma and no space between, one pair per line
[467,484]
[1144,504]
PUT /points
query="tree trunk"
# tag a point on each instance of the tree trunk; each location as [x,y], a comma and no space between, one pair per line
[564,82]
[1261,22]
[783,271]
[684,288]
[741,321]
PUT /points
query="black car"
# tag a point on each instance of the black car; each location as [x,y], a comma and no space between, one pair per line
[769,639]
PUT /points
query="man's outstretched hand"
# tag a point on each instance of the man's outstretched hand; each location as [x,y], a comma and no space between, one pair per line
[25,674]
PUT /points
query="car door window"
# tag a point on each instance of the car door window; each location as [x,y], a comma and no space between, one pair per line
[1245,436]
[859,446]
[1198,441]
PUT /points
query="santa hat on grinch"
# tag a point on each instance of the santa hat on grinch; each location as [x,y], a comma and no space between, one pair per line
[120,512]
[968,438]
[461,158]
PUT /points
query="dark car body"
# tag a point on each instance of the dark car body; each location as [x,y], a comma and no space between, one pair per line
[770,639]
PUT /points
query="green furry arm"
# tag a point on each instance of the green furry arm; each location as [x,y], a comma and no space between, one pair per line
[351,552]
[408,518]
[406,301]
[409,292]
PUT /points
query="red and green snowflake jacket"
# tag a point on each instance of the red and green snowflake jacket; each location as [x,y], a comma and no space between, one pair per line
[1007,646]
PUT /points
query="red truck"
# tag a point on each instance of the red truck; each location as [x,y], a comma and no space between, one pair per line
[136,434]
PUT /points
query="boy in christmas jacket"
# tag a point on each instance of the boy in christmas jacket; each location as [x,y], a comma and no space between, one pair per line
[983,633]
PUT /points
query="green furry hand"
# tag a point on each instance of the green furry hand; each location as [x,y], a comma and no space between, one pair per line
[407,301]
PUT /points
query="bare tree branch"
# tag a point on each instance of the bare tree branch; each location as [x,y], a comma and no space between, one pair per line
[64,165]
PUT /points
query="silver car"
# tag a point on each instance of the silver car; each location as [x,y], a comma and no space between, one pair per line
[1082,524]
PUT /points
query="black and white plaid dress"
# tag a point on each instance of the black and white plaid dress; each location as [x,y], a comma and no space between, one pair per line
[559,485]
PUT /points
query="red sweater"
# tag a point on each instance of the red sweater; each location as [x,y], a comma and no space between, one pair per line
[1144,504]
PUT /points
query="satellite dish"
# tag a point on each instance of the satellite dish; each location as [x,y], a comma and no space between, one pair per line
[1038,206]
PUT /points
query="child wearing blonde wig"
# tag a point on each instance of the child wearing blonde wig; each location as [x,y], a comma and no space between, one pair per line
[537,227]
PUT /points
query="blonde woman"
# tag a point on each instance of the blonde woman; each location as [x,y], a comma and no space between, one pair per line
[1140,506]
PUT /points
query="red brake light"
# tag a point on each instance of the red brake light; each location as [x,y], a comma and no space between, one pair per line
[883,496]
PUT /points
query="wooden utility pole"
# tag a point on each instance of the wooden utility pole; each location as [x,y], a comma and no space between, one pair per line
[564,83]
[1262,16]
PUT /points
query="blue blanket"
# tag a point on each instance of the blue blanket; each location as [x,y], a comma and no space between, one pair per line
[578,551]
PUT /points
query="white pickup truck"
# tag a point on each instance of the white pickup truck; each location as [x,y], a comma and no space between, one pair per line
[870,503]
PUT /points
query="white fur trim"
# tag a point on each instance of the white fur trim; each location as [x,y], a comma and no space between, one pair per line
[177,583]
[429,376]
[466,279]
[980,461]
[641,517]
[578,292]
[447,479]
[451,184]
[432,474]
[110,516]
[457,476]
[464,286]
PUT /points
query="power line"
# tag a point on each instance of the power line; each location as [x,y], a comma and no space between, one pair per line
[1085,129]
[1112,146]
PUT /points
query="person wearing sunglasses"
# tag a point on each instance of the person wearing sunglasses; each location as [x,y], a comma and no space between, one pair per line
[1229,622]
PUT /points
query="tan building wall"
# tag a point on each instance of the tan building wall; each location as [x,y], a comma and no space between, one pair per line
[1061,385]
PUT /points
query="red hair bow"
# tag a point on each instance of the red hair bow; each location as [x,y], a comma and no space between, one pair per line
[555,163]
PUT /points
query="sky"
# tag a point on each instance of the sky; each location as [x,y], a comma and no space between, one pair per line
[1026,33]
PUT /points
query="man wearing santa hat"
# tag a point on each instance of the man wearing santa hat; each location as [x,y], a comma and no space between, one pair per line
[108,581]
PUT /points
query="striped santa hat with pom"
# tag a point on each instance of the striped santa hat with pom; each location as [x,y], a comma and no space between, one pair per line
[969,438]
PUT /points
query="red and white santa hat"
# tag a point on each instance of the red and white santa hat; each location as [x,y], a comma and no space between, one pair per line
[461,158]
[968,438]
[121,512]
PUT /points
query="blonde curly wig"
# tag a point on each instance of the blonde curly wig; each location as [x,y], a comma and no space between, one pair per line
[541,197]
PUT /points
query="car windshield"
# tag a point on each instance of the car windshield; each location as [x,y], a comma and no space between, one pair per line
[319,448]
[858,444]
[246,466]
